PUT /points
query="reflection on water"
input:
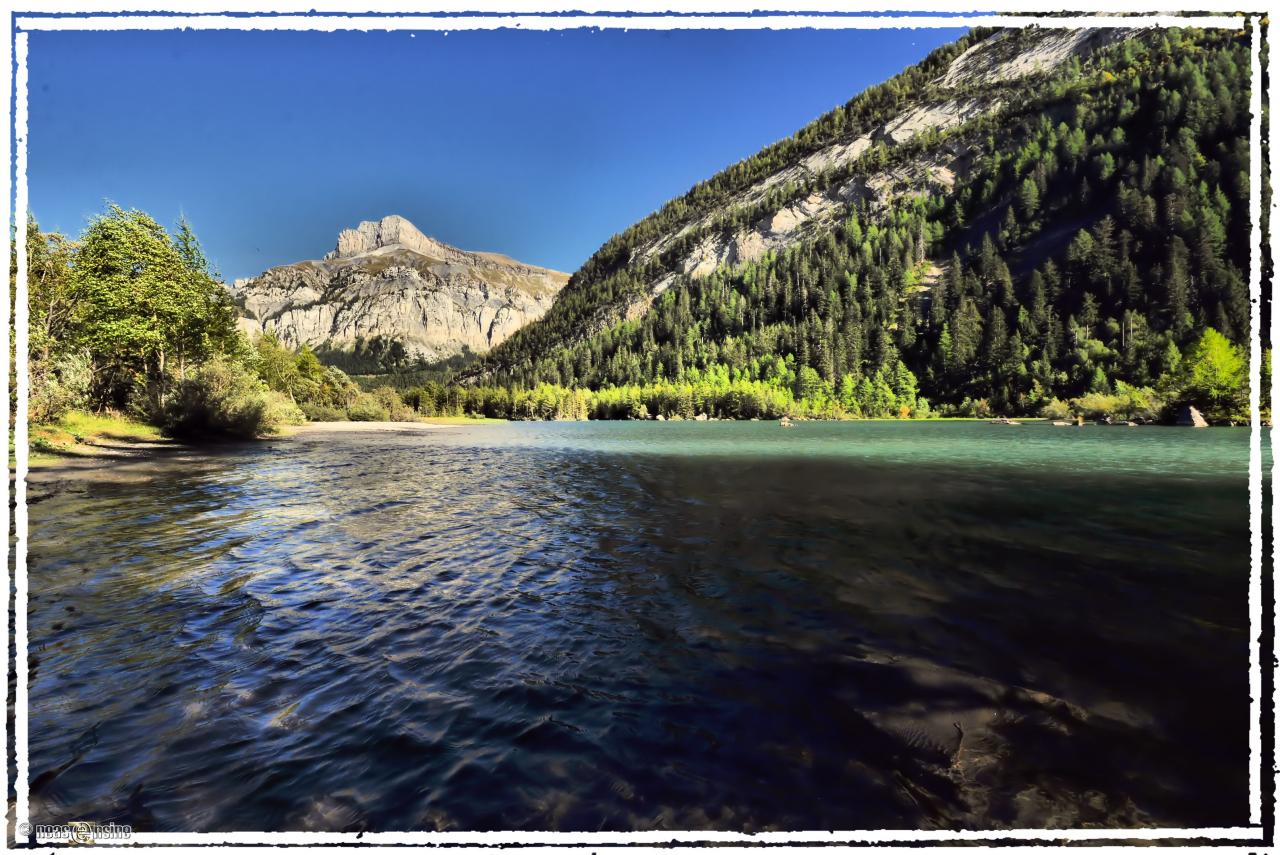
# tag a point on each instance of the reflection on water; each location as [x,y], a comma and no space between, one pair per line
[582,627]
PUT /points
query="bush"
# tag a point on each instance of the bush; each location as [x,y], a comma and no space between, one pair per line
[324,413]
[1056,409]
[224,398]
[389,399]
[366,408]
[1097,404]
[282,410]
[1128,402]
[59,387]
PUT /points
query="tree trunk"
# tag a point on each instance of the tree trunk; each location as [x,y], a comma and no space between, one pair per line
[160,359]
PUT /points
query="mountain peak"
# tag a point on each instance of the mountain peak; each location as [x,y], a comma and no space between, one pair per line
[390,230]
[386,278]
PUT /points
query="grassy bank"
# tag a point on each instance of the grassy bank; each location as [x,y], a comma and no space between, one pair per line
[81,434]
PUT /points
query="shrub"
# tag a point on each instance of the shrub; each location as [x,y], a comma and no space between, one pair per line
[282,410]
[1128,402]
[1056,409]
[59,387]
[224,398]
[324,413]
[366,408]
[1097,404]
[1138,401]
[389,399]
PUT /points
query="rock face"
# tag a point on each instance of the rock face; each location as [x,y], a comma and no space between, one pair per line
[1191,417]
[1005,56]
[388,279]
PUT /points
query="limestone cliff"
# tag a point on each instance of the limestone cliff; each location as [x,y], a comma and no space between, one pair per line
[387,278]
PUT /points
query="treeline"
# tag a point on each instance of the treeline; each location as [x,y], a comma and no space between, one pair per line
[131,319]
[1212,375]
[387,356]
[1099,229]
[769,389]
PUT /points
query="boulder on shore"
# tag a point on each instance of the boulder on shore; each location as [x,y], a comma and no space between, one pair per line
[1190,417]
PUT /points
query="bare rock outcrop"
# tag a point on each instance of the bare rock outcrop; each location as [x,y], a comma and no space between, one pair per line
[1004,56]
[1190,417]
[386,278]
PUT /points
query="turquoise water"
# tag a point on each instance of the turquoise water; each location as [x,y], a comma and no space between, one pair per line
[1033,446]
[582,626]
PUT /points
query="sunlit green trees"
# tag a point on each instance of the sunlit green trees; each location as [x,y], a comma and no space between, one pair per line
[1213,376]
[143,308]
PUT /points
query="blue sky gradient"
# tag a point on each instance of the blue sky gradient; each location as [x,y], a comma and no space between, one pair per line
[537,145]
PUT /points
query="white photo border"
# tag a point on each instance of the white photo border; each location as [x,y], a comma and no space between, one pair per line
[703,14]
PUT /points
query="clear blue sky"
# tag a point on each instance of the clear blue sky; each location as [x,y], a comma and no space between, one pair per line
[537,145]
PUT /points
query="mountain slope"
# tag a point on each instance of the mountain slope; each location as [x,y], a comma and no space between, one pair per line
[388,279]
[1025,214]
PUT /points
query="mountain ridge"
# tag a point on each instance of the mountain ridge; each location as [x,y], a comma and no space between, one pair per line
[972,58]
[1024,215]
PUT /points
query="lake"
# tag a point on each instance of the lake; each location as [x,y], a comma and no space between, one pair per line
[620,626]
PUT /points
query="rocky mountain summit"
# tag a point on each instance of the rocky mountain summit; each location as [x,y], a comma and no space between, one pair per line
[388,279]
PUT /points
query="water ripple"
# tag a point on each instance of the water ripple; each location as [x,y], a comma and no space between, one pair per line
[641,627]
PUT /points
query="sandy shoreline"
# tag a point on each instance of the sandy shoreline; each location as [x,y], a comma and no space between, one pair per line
[360,427]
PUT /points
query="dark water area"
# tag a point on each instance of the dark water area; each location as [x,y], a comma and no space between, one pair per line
[649,626]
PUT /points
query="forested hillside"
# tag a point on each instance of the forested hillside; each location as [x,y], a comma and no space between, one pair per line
[1025,218]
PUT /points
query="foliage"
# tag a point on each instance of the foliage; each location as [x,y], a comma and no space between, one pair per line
[323,412]
[1128,402]
[300,375]
[121,316]
[769,391]
[224,398]
[1214,376]
[1099,227]
[59,383]
[51,291]
[367,408]
[130,319]
[379,355]
[144,305]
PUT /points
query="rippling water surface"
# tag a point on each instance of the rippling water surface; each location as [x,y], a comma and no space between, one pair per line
[632,626]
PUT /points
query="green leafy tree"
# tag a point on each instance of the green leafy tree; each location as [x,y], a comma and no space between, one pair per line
[141,308]
[1214,377]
